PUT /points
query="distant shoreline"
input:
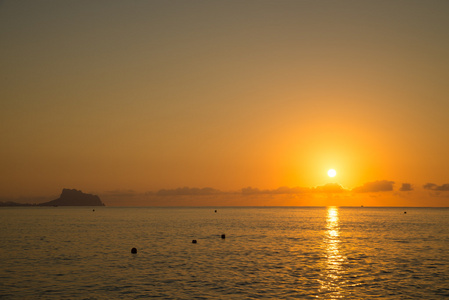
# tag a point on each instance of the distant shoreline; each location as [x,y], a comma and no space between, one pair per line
[69,197]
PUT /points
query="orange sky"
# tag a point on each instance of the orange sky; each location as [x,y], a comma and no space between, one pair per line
[109,96]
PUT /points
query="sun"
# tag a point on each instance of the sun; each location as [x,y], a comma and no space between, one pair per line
[331,173]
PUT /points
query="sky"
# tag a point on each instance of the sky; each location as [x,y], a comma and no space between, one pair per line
[226,102]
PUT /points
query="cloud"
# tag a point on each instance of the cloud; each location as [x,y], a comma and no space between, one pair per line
[186,191]
[375,186]
[279,191]
[406,187]
[253,191]
[120,193]
[327,188]
[429,186]
[434,187]
[330,188]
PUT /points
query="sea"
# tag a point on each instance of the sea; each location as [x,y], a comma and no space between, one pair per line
[265,253]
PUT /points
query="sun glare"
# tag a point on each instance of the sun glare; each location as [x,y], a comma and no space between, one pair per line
[331,173]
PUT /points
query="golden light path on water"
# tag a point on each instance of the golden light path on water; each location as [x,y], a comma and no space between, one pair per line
[332,276]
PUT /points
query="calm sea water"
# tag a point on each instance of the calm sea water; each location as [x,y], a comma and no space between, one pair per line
[268,253]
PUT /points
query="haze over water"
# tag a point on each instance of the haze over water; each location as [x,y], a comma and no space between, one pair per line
[268,253]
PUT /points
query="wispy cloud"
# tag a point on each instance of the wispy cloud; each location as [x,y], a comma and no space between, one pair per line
[381,192]
[375,186]
[434,187]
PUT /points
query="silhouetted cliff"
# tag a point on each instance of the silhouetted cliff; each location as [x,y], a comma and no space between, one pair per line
[72,197]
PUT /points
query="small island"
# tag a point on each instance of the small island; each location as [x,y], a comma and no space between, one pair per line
[72,197]
[69,197]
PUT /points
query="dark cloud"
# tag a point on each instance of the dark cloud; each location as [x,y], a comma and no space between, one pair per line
[444,187]
[434,187]
[330,188]
[406,187]
[375,186]
[186,191]
[429,186]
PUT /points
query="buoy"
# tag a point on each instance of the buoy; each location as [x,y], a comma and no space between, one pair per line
[93,209]
[133,250]
[405,212]
[193,241]
[223,236]
[215,210]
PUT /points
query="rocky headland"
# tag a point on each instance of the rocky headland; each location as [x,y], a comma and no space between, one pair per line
[72,197]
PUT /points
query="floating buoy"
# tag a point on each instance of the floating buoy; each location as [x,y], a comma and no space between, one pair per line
[405,212]
[133,250]
[215,210]
[93,209]
[223,236]
[193,241]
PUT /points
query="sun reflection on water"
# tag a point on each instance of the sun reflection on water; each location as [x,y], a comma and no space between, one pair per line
[332,273]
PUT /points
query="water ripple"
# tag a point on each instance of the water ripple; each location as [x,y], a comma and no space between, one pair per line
[268,253]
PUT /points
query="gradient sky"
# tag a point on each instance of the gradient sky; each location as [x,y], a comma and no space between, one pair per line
[147,95]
